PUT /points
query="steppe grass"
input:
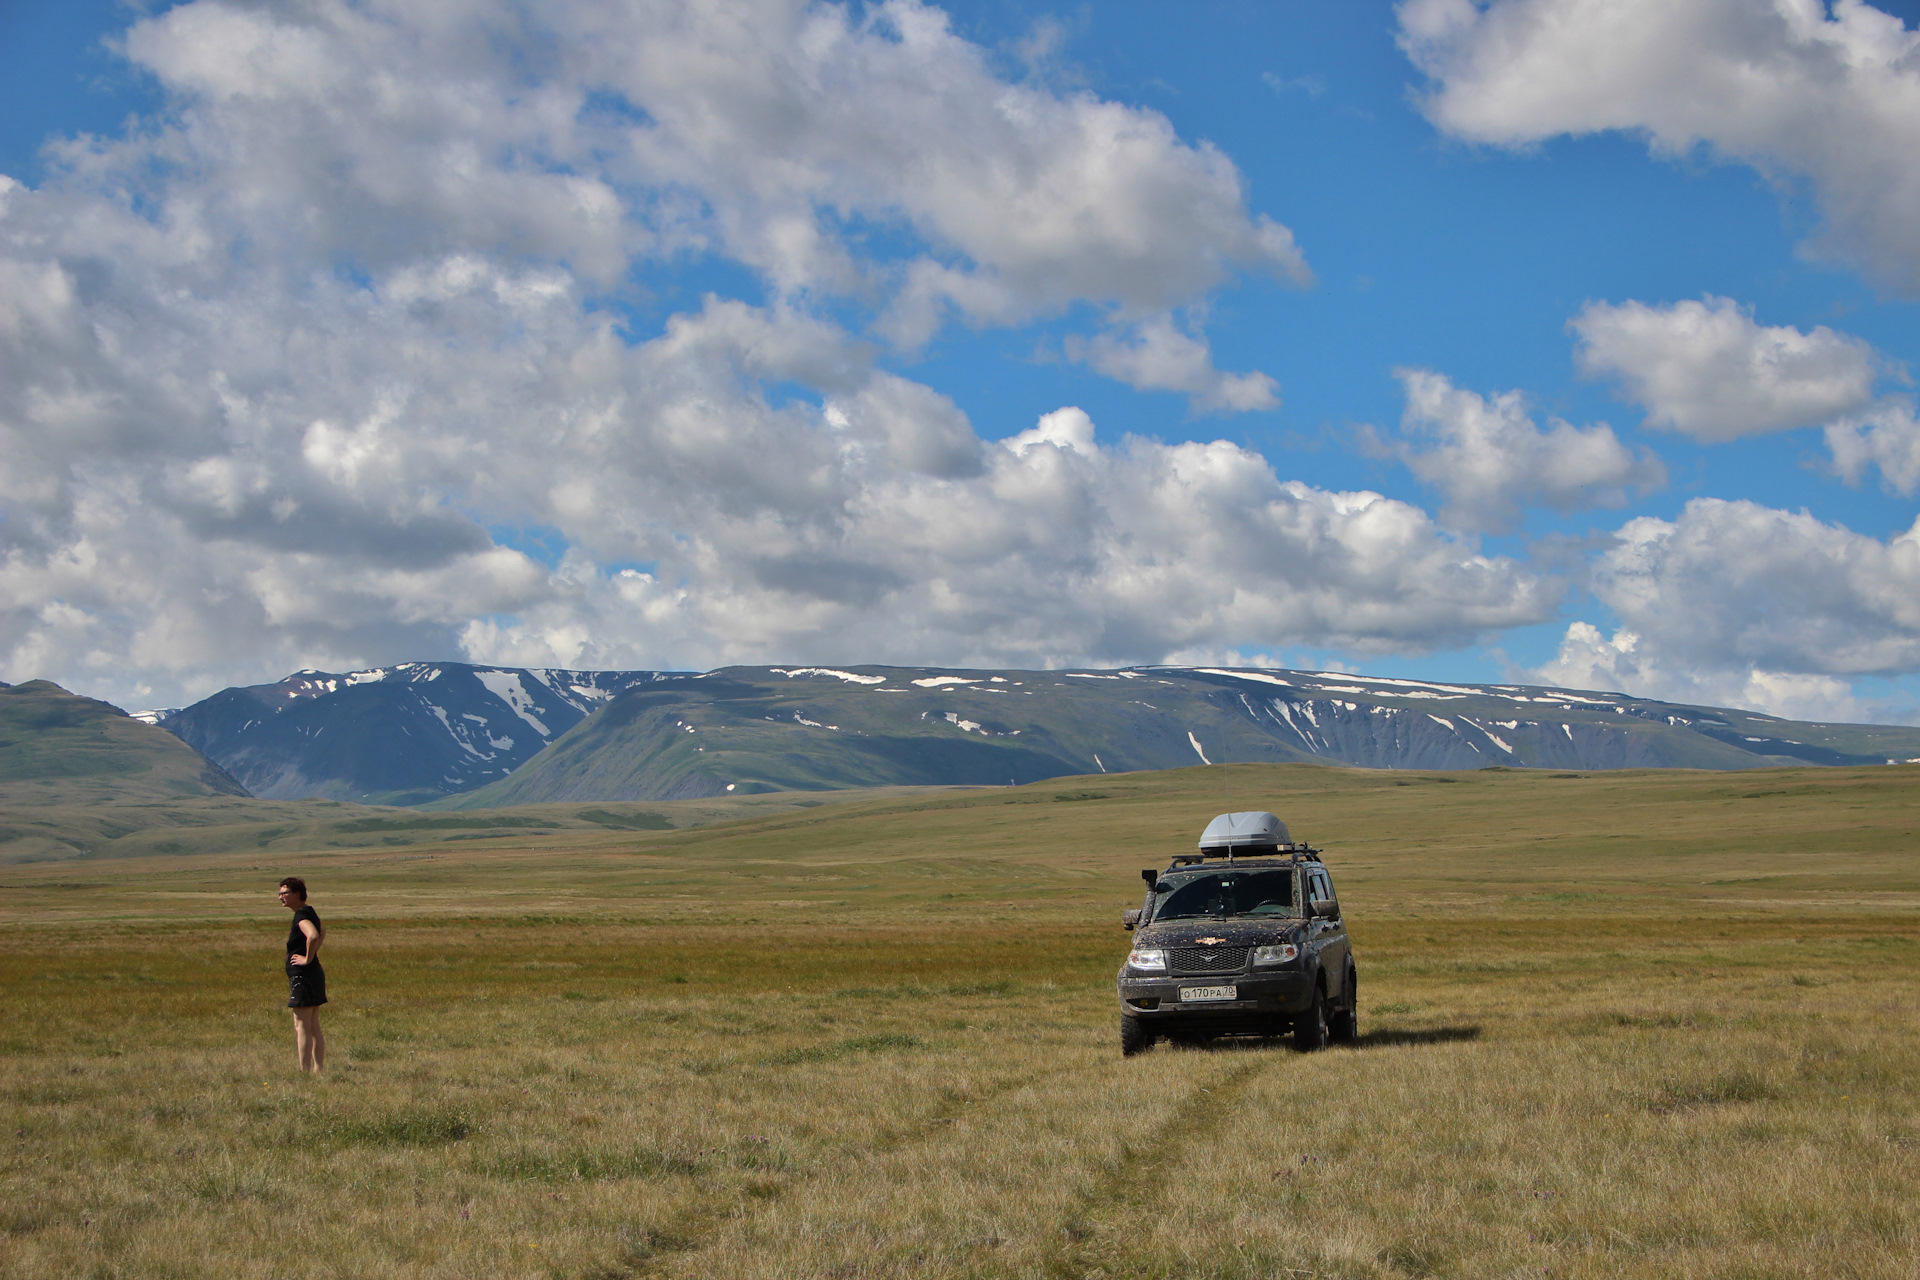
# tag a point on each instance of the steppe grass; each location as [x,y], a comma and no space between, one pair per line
[1613,1025]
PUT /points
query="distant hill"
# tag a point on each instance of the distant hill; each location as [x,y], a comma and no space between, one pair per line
[391,735]
[749,729]
[58,748]
[75,772]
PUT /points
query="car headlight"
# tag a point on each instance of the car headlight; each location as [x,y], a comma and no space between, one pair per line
[1148,960]
[1279,953]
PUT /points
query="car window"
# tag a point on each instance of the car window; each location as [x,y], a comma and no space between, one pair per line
[1259,892]
[1322,887]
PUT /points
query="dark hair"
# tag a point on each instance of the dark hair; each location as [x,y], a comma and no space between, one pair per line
[296,884]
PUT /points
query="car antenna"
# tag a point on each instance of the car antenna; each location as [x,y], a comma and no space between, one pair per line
[1226,787]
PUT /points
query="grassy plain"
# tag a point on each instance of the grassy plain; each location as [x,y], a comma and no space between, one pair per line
[75,828]
[1635,1024]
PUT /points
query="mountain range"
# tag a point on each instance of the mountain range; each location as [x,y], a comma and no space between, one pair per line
[457,736]
[80,778]
[403,735]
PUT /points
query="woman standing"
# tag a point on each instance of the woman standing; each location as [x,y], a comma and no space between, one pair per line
[306,980]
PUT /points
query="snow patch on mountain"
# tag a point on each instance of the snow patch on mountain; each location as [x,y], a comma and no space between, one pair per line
[851,677]
[506,686]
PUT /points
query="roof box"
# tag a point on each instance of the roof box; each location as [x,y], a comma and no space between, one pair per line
[1244,830]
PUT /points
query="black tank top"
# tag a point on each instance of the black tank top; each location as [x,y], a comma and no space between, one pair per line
[296,940]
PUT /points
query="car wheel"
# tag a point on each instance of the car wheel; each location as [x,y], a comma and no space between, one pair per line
[1344,1026]
[1134,1036]
[1310,1028]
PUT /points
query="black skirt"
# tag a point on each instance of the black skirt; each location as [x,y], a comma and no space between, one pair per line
[306,985]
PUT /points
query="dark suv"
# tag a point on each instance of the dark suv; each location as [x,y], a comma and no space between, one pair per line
[1242,938]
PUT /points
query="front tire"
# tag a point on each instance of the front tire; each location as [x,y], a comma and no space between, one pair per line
[1344,1026]
[1134,1036]
[1310,1028]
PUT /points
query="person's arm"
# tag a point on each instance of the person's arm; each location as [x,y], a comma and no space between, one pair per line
[313,942]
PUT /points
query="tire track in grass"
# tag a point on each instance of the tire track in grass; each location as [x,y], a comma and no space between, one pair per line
[693,1231]
[1087,1240]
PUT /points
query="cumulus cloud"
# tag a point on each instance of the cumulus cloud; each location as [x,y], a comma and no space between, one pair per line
[1057,550]
[778,133]
[1154,354]
[321,369]
[1744,604]
[1795,88]
[1707,370]
[289,373]
[1887,437]
[1621,663]
[1490,460]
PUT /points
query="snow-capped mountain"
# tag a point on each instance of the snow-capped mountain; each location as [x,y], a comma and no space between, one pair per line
[402,734]
[745,729]
[420,732]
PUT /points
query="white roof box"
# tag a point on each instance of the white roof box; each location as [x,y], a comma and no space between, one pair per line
[1239,830]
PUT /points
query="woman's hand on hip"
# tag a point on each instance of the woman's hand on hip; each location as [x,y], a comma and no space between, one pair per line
[296,959]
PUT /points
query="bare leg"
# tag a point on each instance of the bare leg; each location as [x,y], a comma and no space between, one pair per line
[312,1046]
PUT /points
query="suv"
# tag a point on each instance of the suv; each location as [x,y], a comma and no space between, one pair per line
[1242,938]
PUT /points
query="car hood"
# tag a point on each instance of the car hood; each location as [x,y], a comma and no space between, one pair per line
[1233,932]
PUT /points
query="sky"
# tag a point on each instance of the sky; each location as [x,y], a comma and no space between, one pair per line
[1552,341]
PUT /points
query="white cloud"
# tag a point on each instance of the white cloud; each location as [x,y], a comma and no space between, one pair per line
[778,133]
[1068,428]
[1794,88]
[916,428]
[221,483]
[1589,659]
[1490,460]
[1741,604]
[284,370]
[1057,551]
[1707,370]
[1153,354]
[1886,436]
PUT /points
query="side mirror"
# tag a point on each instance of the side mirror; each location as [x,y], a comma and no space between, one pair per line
[1130,918]
[1326,909]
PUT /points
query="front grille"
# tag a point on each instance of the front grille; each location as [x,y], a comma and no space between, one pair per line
[1188,960]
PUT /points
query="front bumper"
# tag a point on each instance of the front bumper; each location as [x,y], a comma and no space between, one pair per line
[1260,994]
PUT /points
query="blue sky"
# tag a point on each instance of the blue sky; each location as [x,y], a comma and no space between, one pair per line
[308,375]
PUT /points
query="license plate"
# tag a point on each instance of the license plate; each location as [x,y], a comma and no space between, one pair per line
[1209,993]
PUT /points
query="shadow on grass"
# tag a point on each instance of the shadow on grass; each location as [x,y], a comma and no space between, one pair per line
[1370,1040]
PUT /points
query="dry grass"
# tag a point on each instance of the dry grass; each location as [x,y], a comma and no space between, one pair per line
[879,1042]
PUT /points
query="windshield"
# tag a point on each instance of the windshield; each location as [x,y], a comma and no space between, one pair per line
[1228,893]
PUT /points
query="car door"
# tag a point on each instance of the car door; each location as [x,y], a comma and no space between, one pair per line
[1329,936]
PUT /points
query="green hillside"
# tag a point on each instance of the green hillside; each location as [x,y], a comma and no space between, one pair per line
[59,748]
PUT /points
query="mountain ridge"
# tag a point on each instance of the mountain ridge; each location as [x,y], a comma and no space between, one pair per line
[404,734]
[459,735]
[746,729]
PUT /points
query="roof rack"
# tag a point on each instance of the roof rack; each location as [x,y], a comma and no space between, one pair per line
[1295,852]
